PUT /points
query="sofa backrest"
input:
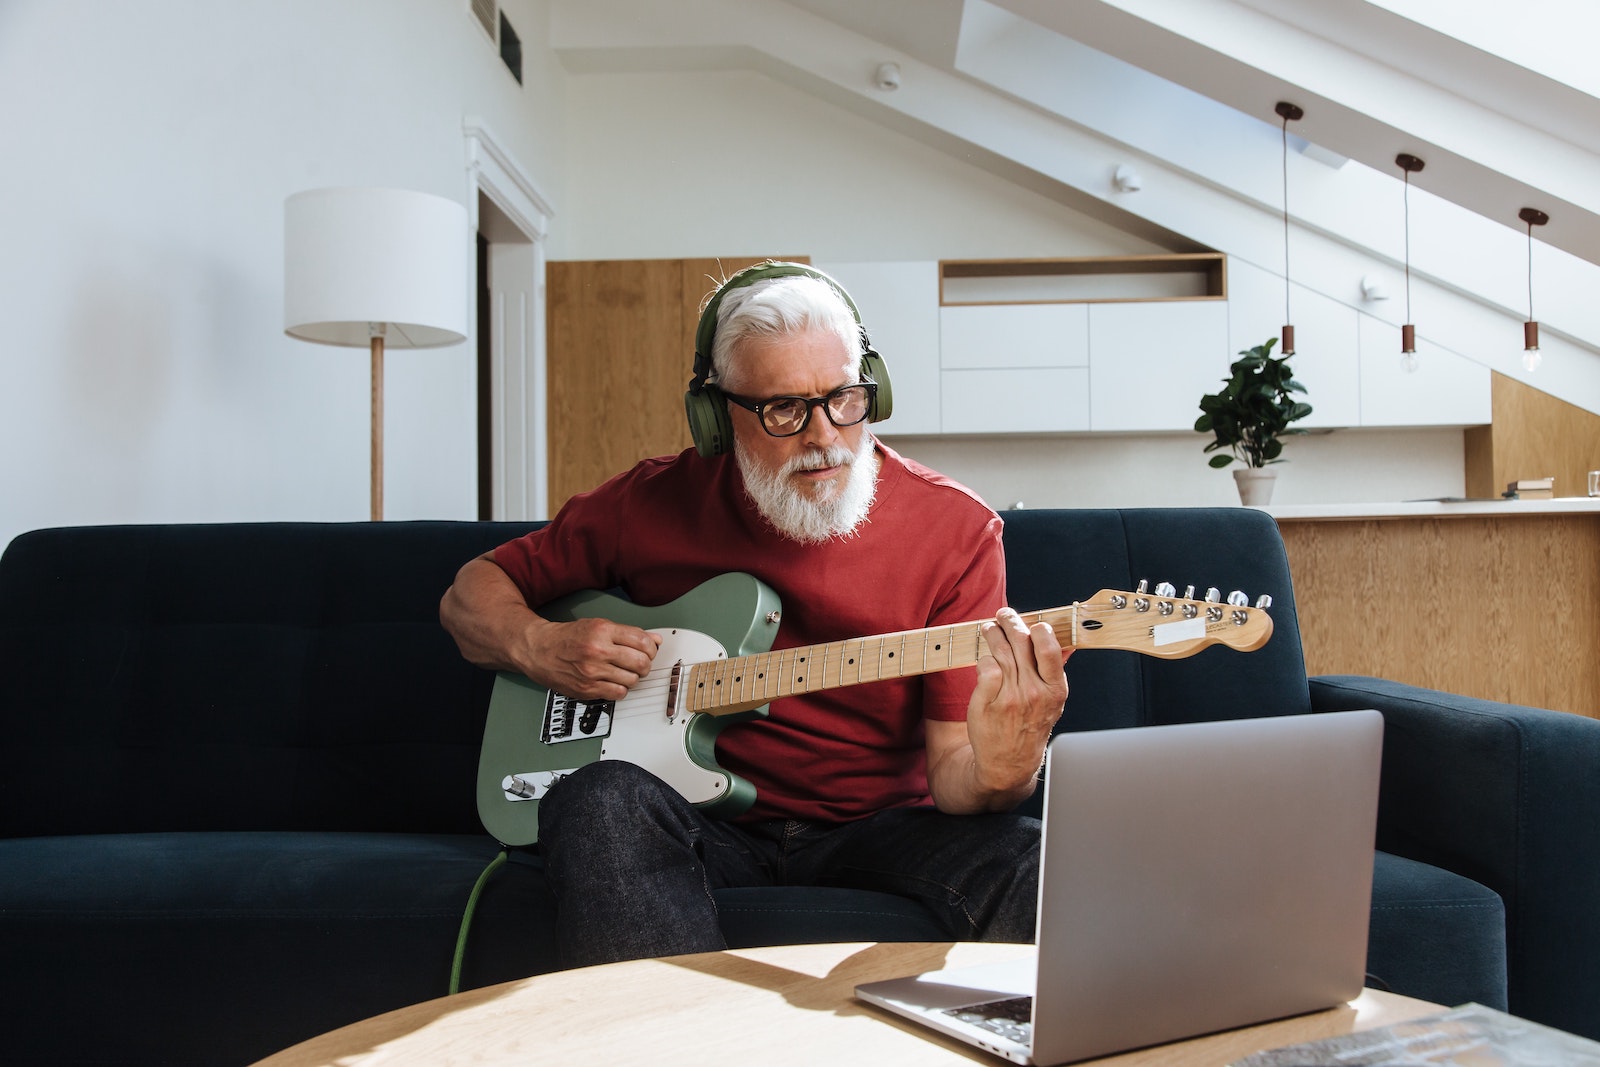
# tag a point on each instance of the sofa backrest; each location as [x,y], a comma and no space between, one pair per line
[294,676]
[276,676]
[1058,557]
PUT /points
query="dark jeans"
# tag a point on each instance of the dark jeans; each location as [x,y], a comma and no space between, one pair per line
[633,865]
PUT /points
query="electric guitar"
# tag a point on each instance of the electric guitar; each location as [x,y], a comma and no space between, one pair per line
[715,667]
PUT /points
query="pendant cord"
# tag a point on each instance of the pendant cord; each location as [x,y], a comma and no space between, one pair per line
[1408,244]
[1530,273]
[1286,316]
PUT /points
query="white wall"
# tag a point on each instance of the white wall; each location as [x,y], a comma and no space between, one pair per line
[149,147]
[145,375]
[733,162]
[701,163]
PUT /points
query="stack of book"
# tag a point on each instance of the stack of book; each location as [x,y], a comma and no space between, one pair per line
[1532,489]
[1469,1036]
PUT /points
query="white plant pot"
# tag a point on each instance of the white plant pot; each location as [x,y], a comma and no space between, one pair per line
[1255,484]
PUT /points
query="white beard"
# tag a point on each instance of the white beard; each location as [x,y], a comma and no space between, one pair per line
[828,512]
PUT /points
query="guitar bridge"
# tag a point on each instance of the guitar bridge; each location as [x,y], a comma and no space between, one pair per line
[569,719]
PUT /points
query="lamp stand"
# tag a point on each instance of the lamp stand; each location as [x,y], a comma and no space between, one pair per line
[377,329]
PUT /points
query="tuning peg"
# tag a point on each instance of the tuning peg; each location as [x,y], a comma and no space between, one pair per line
[1143,586]
[1188,592]
[1238,599]
[1166,589]
[1213,595]
[1263,601]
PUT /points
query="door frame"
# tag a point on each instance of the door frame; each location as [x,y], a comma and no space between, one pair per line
[507,208]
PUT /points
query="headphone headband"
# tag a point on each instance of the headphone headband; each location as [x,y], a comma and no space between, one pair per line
[706,331]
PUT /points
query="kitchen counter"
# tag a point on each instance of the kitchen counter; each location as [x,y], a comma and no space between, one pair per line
[1497,599]
[1435,509]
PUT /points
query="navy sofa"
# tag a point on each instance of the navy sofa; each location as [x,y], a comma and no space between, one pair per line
[237,767]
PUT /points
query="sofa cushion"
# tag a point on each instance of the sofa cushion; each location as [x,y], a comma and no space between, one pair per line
[189,947]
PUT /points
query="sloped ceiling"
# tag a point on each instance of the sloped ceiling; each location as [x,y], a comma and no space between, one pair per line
[1056,94]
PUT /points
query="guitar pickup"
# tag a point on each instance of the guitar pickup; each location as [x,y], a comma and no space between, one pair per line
[531,785]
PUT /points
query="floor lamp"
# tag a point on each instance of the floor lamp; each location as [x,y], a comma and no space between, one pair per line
[369,268]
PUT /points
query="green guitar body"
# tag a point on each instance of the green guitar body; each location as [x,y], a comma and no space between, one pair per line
[533,736]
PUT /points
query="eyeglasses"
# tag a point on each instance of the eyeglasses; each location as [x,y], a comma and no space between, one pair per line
[785,416]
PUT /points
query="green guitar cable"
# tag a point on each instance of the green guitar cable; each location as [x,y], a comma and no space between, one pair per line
[466,920]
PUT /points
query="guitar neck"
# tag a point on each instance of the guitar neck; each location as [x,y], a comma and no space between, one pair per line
[727,686]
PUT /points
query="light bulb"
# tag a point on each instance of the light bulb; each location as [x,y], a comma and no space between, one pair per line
[1531,358]
[1410,362]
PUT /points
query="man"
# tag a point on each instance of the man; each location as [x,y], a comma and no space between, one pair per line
[901,785]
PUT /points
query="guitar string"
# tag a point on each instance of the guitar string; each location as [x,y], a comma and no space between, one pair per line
[971,632]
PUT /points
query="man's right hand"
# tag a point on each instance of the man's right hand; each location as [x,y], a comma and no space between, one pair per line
[591,659]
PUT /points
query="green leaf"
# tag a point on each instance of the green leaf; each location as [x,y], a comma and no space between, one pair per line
[1219,462]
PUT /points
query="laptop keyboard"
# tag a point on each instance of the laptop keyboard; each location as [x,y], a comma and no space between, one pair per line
[1011,1018]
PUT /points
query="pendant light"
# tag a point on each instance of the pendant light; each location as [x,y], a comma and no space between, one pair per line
[1530,329]
[1289,113]
[1410,164]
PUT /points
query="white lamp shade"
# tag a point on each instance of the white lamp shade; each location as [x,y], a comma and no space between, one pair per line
[358,257]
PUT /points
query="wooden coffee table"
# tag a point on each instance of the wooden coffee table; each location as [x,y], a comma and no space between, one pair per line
[768,1006]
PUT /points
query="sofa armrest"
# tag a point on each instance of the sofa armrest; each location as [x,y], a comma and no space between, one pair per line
[1508,796]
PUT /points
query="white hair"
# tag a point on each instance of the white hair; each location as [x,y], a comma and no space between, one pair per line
[778,307]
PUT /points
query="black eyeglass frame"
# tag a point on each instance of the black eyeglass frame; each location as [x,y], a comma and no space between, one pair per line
[811,403]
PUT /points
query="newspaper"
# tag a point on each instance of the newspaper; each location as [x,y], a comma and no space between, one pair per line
[1468,1036]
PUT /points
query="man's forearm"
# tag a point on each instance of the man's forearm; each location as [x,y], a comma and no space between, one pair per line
[960,787]
[485,613]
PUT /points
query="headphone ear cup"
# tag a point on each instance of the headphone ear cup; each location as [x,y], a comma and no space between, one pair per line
[709,424]
[873,366]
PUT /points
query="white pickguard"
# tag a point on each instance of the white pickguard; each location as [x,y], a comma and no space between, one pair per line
[644,733]
[641,732]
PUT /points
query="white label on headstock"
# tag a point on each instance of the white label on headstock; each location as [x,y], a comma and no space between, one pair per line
[1170,633]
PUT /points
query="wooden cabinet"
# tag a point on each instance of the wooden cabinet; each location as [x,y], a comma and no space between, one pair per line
[620,355]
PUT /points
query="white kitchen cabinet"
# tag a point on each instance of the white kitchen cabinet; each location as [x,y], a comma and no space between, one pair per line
[1149,363]
[1036,400]
[1013,336]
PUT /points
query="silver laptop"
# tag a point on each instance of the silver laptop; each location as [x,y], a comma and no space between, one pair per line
[1194,878]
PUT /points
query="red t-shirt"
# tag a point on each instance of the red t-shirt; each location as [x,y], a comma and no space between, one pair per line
[929,554]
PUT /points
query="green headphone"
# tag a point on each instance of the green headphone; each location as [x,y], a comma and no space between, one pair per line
[709,422]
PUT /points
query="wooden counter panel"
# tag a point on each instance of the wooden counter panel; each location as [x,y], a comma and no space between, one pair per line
[1500,608]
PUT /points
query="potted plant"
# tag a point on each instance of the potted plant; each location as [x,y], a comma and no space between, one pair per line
[1250,415]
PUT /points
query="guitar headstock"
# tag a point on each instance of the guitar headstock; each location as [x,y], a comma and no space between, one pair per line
[1163,624]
